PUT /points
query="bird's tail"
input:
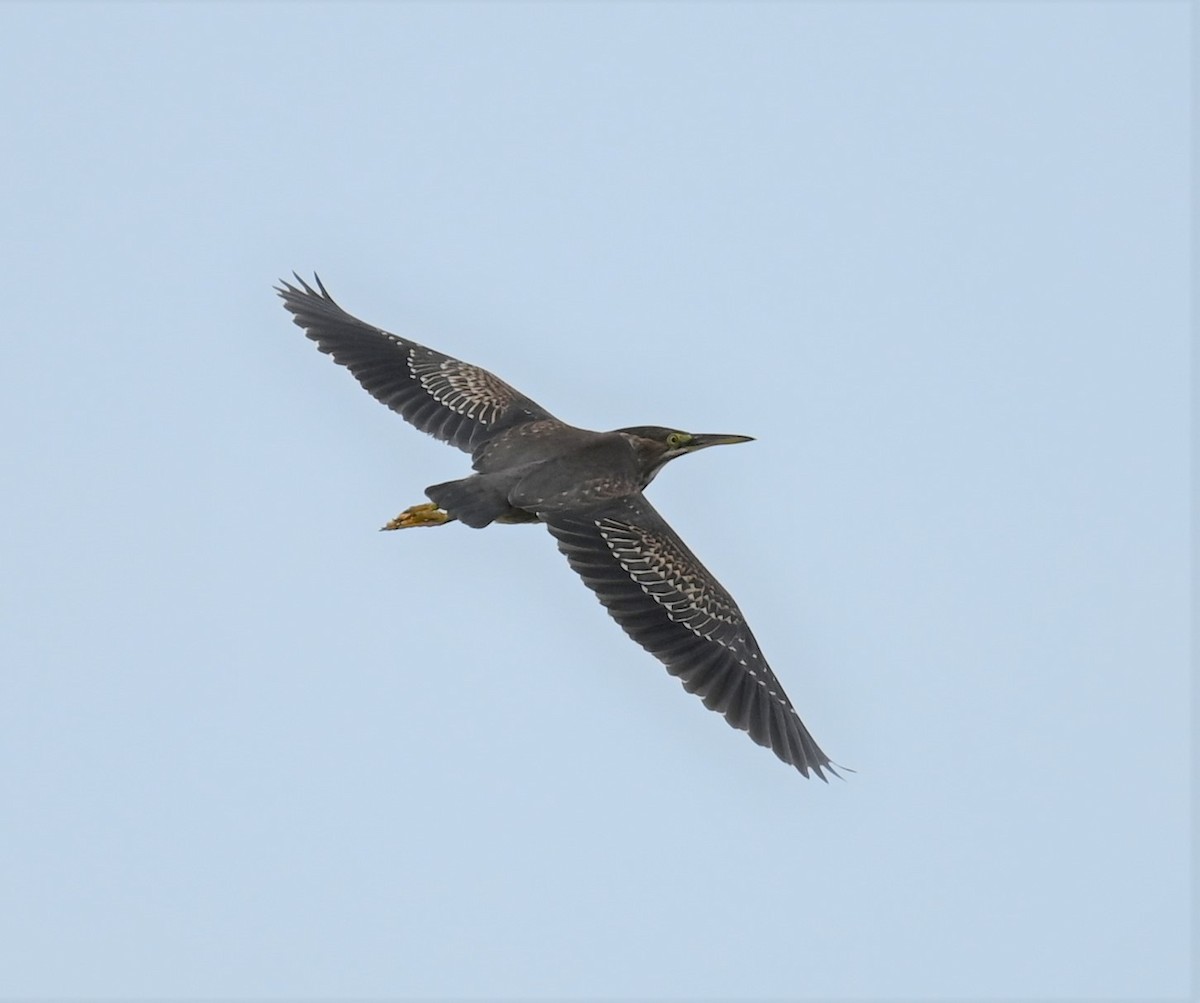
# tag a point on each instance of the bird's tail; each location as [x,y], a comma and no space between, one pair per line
[474,501]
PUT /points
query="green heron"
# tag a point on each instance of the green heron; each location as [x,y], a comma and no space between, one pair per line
[586,488]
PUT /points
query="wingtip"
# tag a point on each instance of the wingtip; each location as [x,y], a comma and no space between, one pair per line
[832,768]
[286,289]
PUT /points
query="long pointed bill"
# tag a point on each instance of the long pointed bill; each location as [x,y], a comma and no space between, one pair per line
[704,441]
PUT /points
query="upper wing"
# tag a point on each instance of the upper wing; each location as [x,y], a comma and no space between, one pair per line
[458,403]
[668,602]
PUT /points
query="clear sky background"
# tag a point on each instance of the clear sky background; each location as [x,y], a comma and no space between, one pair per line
[933,256]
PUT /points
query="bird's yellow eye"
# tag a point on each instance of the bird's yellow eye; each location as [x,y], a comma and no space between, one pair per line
[677,439]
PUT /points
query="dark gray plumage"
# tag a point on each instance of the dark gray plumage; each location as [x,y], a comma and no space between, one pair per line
[586,487]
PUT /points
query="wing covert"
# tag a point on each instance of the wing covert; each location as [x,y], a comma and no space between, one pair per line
[668,602]
[452,400]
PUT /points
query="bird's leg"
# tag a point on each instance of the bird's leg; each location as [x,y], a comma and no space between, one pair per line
[425,514]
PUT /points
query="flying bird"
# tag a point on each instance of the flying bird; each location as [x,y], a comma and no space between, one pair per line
[586,488]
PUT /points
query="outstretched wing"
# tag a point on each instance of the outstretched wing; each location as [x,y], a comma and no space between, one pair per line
[668,602]
[458,403]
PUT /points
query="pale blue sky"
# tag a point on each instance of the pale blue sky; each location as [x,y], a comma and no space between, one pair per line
[933,256]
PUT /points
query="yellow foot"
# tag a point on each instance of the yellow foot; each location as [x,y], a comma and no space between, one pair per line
[425,514]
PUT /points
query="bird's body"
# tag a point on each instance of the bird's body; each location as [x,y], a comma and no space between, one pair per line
[586,488]
[523,478]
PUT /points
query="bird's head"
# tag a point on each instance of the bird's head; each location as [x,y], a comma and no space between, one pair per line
[656,446]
